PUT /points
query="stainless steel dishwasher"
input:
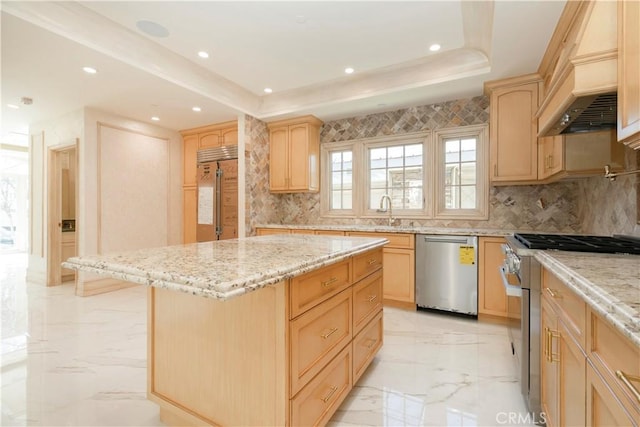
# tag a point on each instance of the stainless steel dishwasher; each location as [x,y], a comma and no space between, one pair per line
[447,273]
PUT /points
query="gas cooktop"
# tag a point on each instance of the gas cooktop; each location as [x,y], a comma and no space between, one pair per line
[601,244]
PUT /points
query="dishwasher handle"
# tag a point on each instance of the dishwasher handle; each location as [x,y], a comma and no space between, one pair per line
[511,290]
[437,239]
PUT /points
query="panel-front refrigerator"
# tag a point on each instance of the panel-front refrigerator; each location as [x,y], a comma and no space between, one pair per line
[217,205]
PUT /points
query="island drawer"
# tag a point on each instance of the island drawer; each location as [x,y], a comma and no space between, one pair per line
[317,336]
[366,263]
[365,346]
[316,286]
[617,359]
[367,300]
[572,308]
[316,403]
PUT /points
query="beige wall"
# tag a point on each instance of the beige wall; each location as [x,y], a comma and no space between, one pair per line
[147,149]
[63,130]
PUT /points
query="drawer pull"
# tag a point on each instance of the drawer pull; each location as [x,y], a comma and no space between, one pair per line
[331,393]
[626,379]
[371,343]
[372,298]
[554,294]
[329,282]
[372,261]
[328,334]
[548,351]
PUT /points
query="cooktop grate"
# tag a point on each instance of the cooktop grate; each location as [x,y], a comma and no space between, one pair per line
[601,244]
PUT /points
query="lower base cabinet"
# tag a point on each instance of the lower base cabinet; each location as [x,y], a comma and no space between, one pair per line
[288,354]
[603,407]
[578,387]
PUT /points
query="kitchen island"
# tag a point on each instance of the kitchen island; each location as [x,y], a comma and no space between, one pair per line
[270,330]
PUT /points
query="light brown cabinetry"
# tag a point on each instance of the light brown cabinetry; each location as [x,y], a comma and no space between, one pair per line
[270,231]
[287,354]
[578,155]
[578,387]
[294,149]
[513,130]
[492,297]
[613,377]
[193,140]
[398,282]
[629,73]
[563,377]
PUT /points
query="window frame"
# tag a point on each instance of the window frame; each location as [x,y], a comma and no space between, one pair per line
[361,176]
[481,133]
[423,138]
[326,185]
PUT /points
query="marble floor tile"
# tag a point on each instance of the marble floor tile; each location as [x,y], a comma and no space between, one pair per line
[72,361]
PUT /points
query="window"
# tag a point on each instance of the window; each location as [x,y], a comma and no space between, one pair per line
[342,180]
[443,171]
[462,181]
[396,171]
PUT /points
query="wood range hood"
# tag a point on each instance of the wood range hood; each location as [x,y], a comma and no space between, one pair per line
[580,71]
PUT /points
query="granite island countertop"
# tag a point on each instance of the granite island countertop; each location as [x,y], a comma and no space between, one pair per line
[227,268]
[609,283]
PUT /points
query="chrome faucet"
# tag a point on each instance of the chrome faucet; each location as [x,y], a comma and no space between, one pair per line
[392,220]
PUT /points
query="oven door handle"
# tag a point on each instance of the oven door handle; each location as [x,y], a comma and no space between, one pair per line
[511,290]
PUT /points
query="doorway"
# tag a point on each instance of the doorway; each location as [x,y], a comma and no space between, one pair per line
[62,234]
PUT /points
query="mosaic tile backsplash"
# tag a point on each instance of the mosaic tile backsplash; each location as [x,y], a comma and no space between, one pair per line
[590,206]
[611,207]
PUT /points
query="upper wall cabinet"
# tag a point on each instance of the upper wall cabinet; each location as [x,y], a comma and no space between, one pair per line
[294,163]
[513,130]
[629,73]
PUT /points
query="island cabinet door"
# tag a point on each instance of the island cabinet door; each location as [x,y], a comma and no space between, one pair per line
[317,336]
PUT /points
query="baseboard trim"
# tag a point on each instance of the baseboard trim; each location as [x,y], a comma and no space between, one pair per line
[38,277]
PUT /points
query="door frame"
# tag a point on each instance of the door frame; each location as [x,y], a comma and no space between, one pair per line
[54,209]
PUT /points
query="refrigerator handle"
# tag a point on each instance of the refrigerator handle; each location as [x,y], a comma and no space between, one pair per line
[218,202]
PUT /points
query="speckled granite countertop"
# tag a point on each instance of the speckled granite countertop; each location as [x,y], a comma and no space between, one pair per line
[400,229]
[609,283]
[226,268]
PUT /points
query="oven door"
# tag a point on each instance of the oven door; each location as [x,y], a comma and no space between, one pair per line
[517,300]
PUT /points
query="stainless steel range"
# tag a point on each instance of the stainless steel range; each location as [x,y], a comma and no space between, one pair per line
[521,267]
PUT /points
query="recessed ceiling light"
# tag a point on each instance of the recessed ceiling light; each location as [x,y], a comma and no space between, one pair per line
[197,109]
[434,47]
[155,118]
[268,90]
[152,29]
[203,54]
[89,70]
[14,106]
[349,70]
